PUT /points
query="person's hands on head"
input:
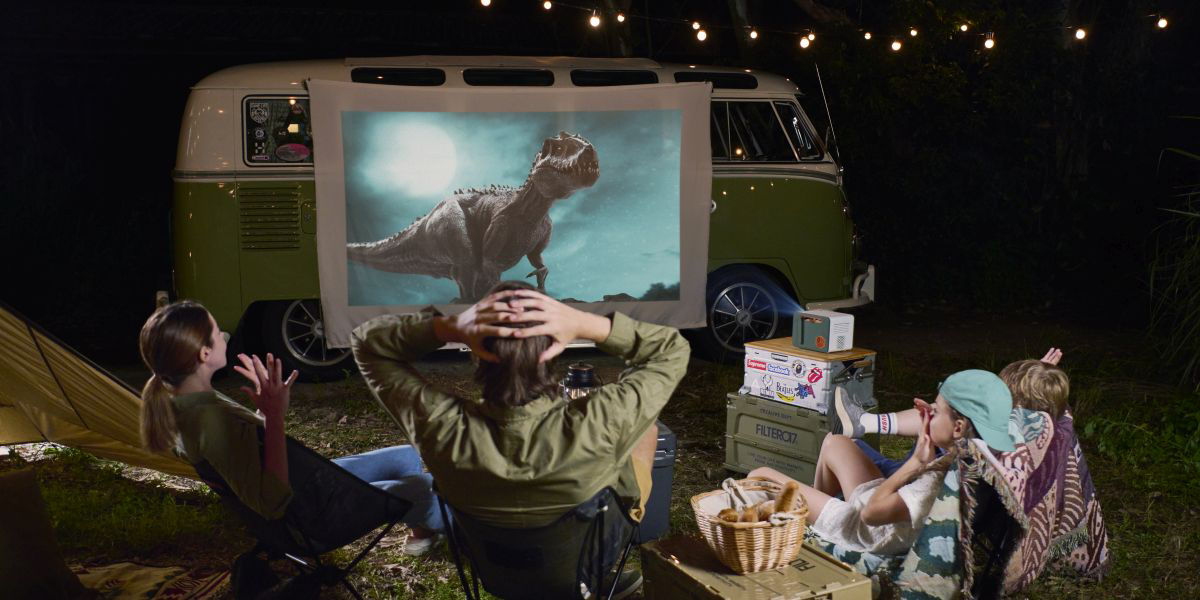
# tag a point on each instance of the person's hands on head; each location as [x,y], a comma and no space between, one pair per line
[561,322]
[483,319]
[270,393]
[1053,356]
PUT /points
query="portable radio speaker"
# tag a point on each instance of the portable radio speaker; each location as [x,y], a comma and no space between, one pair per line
[822,330]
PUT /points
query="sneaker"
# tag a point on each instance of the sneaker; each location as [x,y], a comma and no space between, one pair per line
[417,547]
[628,582]
[846,415]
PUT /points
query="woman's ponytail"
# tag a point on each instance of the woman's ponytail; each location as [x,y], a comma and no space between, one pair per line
[158,417]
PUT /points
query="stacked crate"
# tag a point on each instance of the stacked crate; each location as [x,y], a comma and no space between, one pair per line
[782,412]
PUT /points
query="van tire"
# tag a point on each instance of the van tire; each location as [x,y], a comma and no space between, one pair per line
[294,331]
[742,303]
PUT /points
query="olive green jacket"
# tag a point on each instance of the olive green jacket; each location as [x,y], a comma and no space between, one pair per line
[216,429]
[523,466]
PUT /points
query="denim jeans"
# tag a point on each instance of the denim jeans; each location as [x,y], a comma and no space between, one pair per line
[398,470]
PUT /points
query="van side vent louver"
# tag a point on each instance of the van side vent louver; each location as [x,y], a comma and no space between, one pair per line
[269,218]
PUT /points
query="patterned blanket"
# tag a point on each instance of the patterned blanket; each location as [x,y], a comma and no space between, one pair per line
[1046,499]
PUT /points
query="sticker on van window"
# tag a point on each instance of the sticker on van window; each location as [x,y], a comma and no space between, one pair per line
[259,112]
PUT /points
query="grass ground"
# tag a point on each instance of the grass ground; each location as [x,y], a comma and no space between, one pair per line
[1141,438]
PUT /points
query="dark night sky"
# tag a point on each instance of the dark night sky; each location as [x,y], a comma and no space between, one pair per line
[95,93]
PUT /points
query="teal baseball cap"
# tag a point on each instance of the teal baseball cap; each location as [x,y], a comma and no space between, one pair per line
[983,398]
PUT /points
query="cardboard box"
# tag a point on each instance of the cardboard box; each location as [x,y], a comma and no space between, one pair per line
[685,567]
[822,330]
[790,429]
[777,370]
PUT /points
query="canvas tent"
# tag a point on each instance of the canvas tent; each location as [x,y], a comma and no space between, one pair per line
[51,393]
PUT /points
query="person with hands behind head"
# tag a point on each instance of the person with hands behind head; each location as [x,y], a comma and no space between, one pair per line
[521,456]
[182,413]
[885,515]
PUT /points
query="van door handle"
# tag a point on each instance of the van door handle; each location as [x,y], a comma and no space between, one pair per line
[714,207]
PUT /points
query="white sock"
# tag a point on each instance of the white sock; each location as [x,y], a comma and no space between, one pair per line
[883,423]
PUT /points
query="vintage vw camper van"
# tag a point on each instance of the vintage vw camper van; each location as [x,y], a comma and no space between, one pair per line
[244,212]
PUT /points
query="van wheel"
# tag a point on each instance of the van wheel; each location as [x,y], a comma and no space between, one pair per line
[742,305]
[294,331]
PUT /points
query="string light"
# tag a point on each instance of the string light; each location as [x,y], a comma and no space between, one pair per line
[486,2]
[867,35]
[546,5]
[753,34]
[913,32]
[1162,22]
[989,42]
[804,42]
[696,25]
[620,17]
[595,20]
[896,45]
[1080,33]
[702,35]
[963,28]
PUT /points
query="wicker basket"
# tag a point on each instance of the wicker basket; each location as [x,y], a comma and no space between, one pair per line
[752,547]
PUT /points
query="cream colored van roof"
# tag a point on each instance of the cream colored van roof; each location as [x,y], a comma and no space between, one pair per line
[291,74]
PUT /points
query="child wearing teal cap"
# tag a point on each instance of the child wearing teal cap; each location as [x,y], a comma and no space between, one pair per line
[884,516]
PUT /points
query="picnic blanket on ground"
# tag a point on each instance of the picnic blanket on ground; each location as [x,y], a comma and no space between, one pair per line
[1046,494]
[129,580]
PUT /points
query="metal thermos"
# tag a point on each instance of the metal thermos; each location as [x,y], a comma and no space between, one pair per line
[580,381]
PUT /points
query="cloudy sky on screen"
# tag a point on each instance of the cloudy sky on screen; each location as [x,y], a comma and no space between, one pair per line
[619,236]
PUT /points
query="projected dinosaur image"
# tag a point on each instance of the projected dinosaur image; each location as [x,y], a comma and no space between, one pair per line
[476,234]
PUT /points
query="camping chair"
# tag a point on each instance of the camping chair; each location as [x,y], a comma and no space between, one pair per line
[558,560]
[995,535]
[330,508]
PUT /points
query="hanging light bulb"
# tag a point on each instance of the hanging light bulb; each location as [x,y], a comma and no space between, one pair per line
[867,35]
[620,17]
[804,42]
[896,45]
[1162,22]
[963,28]
[594,21]
[1080,33]
[753,34]
[696,25]
[913,32]
[702,35]
[812,37]
[989,42]
[546,5]
[486,2]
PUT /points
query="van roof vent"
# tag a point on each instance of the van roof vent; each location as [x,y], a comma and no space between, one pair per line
[522,77]
[599,77]
[735,81]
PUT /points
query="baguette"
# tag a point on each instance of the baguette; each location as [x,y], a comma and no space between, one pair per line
[765,510]
[787,498]
[729,515]
[749,515]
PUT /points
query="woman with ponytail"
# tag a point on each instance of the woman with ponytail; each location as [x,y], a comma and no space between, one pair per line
[182,413]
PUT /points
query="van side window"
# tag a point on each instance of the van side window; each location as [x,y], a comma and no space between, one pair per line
[276,131]
[719,130]
[806,148]
[756,134]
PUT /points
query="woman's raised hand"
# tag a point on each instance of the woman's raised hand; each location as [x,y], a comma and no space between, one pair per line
[271,393]
[925,451]
[559,321]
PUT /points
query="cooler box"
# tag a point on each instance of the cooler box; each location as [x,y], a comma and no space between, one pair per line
[777,370]
[685,567]
[656,521]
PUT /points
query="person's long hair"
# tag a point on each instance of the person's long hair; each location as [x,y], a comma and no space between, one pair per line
[170,343]
[518,377]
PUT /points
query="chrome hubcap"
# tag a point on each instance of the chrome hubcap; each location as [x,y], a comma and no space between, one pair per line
[742,312]
[304,335]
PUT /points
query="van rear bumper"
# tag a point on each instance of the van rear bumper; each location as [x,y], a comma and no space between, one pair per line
[862,293]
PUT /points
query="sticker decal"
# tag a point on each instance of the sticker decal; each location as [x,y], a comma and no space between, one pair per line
[805,391]
[820,342]
[756,364]
[778,370]
[815,375]
[260,112]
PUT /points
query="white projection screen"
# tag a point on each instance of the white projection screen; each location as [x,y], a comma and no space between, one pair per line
[429,197]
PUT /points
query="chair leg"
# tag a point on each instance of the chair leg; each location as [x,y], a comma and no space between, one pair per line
[462,577]
[361,555]
[621,565]
[350,588]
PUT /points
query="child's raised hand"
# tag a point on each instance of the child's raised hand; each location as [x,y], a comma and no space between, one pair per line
[1053,355]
